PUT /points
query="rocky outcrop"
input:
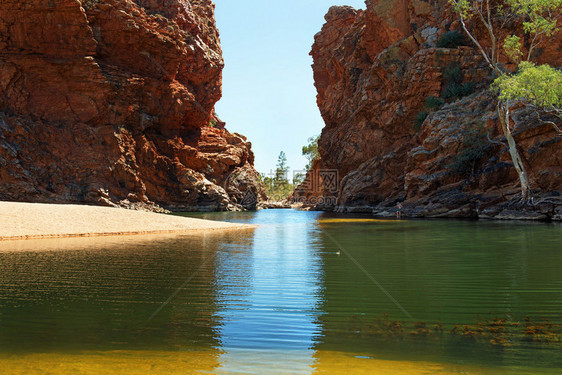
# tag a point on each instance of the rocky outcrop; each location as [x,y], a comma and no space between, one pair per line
[374,71]
[112,102]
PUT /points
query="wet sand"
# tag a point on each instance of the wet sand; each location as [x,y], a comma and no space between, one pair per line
[210,361]
[39,220]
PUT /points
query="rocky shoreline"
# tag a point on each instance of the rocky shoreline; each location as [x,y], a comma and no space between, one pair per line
[546,209]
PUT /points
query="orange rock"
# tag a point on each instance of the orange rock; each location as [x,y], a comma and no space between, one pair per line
[111,101]
[373,71]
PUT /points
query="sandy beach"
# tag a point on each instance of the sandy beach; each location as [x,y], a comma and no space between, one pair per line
[38,220]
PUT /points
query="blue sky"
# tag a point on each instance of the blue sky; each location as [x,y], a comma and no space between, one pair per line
[268,91]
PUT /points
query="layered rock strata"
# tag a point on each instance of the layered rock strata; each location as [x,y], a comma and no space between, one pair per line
[112,102]
[374,71]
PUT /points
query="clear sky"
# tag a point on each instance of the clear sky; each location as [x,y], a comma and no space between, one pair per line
[268,90]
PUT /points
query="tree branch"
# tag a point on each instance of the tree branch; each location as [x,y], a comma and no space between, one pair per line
[482,51]
[495,54]
[494,142]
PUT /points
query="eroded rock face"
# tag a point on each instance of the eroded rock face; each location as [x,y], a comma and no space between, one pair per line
[111,101]
[373,71]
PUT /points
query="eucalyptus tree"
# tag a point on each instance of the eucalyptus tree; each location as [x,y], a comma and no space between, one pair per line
[538,86]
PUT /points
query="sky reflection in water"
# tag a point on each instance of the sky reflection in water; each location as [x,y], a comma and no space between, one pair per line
[286,299]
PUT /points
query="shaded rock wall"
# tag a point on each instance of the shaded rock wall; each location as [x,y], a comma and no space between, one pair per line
[111,101]
[373,71]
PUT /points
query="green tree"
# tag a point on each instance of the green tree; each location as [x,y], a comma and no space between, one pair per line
[278,186]
[539,86]
[540,19]
[310,151]
[298,179]
[267,182]
[281,170]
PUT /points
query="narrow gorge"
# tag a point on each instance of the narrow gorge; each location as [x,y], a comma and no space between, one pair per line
[138,237]
[112,102]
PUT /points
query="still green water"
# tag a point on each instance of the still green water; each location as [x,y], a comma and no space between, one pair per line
[305,293]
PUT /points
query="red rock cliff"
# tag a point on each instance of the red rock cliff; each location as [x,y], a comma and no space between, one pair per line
[112,102]
[373,71]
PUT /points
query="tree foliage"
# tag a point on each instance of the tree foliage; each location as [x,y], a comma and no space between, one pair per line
[278,187]
[451,39]
[310,151]
[539,18]
[419,120]
[475,149]
[433,102]
[537,85]
[541,85]
[282,169]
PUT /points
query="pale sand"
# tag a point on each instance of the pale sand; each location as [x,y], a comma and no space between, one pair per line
[38,220]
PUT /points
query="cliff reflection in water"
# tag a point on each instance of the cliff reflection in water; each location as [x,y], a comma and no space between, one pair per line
[486,293]
[98,294]
[484,297]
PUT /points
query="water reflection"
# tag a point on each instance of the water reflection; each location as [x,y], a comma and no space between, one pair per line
[100,296]
[485,293]
[269,299]
[284,299]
